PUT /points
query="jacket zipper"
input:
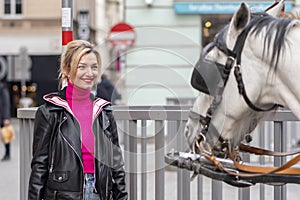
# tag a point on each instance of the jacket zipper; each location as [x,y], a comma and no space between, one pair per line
[97,131]
[107,187]
[52,157]
[82,167]
[78,157]
[112,162]
[95,179]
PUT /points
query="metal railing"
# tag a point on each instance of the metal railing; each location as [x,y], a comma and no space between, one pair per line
[147,133]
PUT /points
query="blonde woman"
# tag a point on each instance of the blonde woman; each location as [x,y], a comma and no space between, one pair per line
[76,153]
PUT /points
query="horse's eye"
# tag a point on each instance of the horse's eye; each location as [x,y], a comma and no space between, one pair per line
[219,53]
[187,127]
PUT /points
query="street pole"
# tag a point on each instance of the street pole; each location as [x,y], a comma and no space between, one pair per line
[67,22]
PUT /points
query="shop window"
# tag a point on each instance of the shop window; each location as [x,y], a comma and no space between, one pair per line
[13,7]
[211,25]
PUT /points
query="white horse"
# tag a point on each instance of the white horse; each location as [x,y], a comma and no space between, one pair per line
[265,50]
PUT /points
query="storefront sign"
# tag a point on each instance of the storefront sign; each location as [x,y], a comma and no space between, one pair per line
[83,25]
[221,7]
[16,67]
[22,70]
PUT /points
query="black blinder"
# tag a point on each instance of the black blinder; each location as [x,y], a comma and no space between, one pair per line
[206,75]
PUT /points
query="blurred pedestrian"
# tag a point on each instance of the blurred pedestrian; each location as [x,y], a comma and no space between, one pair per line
[106,90]
[76,153]
[5,115]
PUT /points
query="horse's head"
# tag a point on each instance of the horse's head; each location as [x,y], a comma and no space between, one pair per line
[242,47]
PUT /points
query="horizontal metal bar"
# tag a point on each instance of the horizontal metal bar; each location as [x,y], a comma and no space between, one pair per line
[161,113]
[280,115]
[151,114]
[26,113]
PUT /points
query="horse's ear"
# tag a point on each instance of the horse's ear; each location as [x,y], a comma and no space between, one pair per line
[276,9]
[239,20]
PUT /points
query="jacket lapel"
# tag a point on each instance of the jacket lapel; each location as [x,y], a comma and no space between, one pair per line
[98,104]
[72,135]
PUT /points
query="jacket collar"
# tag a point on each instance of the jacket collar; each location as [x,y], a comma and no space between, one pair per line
[59,99]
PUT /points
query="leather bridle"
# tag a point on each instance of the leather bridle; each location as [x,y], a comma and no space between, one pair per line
[233,61]
[201,146]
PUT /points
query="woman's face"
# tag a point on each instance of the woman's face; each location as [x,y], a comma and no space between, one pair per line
[87,72]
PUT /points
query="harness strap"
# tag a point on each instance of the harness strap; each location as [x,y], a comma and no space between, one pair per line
[283,169]
[255,171]
[260,151]
[242,91]
[244,170]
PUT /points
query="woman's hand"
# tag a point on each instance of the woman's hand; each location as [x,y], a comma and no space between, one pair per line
[6,122]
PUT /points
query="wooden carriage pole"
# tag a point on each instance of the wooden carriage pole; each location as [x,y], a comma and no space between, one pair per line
[67,22]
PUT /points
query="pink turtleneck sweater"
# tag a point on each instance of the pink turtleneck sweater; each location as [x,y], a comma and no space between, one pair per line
[82,106]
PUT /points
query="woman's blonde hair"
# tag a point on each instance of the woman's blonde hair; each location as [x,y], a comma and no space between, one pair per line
[71,56]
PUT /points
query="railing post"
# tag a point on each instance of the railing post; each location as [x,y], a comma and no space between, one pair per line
[159,160]
[279,145]
[262,133]
[132,159]
[200,187]
[216,188]
[26,122]
[244,193]
[183,179]
[144,160]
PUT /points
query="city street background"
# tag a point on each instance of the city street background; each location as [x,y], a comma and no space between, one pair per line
[10,170]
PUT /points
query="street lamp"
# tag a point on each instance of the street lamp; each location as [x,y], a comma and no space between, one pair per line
[149,2]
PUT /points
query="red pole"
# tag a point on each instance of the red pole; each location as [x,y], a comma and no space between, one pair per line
[67,22]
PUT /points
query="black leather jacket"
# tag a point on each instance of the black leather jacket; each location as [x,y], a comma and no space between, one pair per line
[57,167]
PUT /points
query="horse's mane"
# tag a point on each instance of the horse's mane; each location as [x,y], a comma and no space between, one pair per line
[276,30]
[272,26]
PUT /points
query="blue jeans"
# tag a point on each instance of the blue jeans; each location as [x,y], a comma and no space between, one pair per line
[89,188]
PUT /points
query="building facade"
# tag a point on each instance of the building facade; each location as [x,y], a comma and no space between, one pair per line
[31,40]
[155,71]
[167,45]
[169,39]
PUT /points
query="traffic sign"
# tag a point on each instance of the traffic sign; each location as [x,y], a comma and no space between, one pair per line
[122,36]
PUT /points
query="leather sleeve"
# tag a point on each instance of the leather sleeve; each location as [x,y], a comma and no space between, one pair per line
[40,162]
[118,173]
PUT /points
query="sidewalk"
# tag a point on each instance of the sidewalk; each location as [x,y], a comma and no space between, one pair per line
[9,170]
